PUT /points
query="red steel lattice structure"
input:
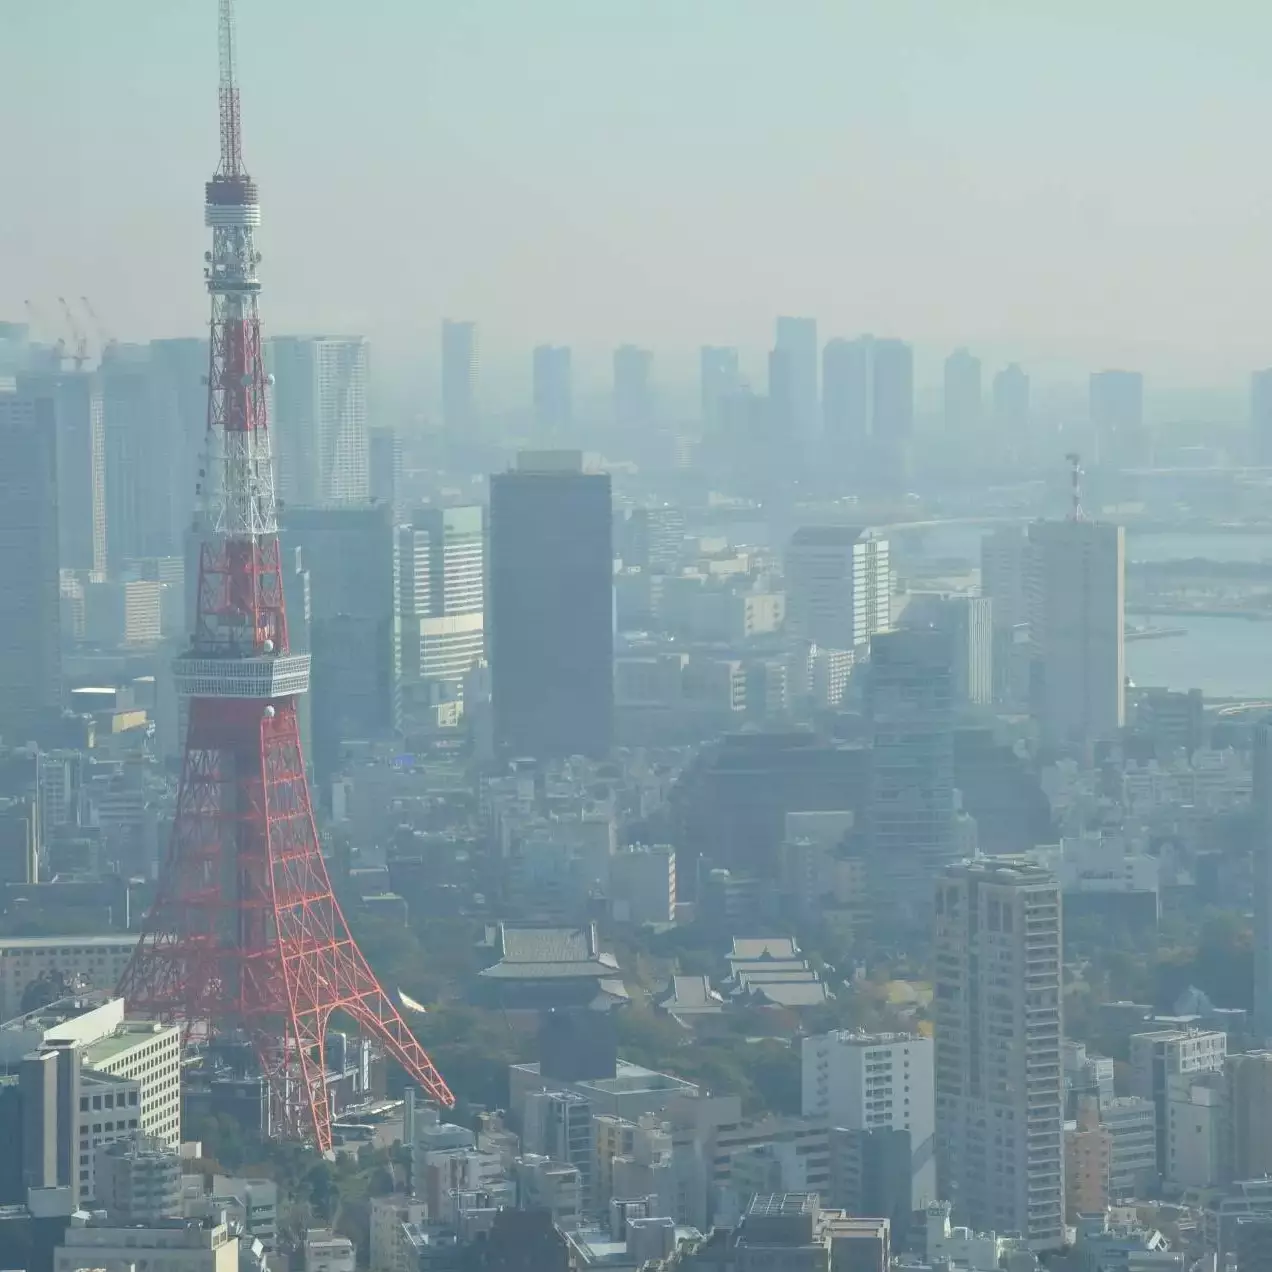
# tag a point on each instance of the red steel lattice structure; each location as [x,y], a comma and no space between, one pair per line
[246,940]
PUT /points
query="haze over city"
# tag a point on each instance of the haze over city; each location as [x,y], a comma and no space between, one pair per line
[1074,184]
[633,637]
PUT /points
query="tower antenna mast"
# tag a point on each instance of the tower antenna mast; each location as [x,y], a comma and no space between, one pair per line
[246,942]
[231,164]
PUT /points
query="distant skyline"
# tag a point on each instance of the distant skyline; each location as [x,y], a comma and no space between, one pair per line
[1075,188]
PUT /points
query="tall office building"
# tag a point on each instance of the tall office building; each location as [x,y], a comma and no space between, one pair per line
[442,555]
[892,414]
[144,460]
[384,470]
[553,392]
[30,619]
[997,1011]
[1076,572]
[1011,401]
[783,413]
[350,555]
[633,387]
[893,391]
[652,538]
[179,372]
[838,586]
[963,396]
[911,816]
[81,464]
[459,377]
[1117,415]
[319,421]
[720,380]
[847,394]
[797,342]
[968,620]
[1005,581]
[551,607]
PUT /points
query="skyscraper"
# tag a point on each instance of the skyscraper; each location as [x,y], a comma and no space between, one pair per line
[30,638]
[384,465]
[442,555]
[892,415]
[1005,581]
[633,391]
[459,377]
[969,622]
[350,554]
[551,607]
[1011,401]
[893,384]
[144,460]
[846,394]
[783,410]
[1261,417]
[320,427]
[81,464]
[1117,415]
[962,393]
[179,370]
[1076,593]
[553,392]
[838,586]
[997,1018]
[797,340]
[912,806]
[720,379]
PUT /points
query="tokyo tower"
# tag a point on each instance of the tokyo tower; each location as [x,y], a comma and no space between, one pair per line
[246,941]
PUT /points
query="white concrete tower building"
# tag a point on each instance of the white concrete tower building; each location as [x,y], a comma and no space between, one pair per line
[870,1082]
[997,1015]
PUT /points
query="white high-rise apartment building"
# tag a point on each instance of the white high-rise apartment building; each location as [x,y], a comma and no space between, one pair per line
[870,1082]
[321,437]
[997,1017]
[1077,600]
[838,586]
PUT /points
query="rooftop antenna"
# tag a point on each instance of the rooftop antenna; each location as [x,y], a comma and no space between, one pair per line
[1075,473]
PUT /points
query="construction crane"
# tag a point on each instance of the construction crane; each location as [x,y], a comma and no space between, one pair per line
[1075,478]
[107,340]
[38,324]
[80,356]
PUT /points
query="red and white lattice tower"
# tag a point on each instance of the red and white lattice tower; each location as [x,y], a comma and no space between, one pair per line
[246,940]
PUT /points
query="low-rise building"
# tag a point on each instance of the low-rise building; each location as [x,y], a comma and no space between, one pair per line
[387,1250]
[138,1180]
[1088,1153]
[326,1251]
[1131,1123]
[173,1245]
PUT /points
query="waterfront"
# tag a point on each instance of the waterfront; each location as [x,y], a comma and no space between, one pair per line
[1223,657]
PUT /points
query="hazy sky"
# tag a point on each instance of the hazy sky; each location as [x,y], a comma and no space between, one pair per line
[1086,178]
